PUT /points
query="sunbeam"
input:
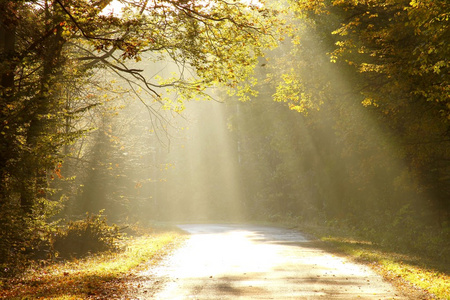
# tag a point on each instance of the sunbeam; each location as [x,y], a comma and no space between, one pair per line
[205,173]
[122,119]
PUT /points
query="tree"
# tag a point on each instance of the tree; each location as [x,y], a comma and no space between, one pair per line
[398,51]
[48,47]
[376,116]
[369,148]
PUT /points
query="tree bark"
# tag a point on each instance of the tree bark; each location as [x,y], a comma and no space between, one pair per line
[7,55]
[35,163]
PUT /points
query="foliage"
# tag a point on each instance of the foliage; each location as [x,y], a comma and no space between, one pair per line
[102,275]
[372,147]
[56,58]
[83,237]
[24,238]
[395,59]
[13,243]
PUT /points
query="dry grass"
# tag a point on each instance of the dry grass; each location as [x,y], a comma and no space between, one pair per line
[96,277]
[418,276]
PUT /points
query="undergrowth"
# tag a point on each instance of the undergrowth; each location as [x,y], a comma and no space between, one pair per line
[89,235]
[99,276]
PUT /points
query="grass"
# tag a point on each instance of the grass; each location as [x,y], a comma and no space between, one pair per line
[98,276]
[415,275]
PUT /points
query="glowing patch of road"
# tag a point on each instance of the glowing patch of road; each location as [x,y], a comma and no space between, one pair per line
[252,262]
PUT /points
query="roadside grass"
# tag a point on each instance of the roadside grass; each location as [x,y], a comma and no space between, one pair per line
[418,276]
[98,276]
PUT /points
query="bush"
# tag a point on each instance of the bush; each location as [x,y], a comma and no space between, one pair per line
[23,238]
[90,235]
[14,241]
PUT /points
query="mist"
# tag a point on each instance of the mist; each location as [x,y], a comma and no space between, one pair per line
[306,147]
[223,160]
[126,118]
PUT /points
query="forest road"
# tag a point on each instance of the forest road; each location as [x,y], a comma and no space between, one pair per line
[256,262]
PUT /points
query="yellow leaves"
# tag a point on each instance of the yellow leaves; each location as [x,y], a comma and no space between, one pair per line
[316,6]
[293,92]
[345,2]
[296,40]
[437,67]
[245,91]
[340,31]
[369,101]
[298,108]
[345,43]
[366,67]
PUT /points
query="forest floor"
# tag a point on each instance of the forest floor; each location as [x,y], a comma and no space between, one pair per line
[100,276]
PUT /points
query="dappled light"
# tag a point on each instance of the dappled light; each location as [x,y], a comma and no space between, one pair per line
[258,266]
[331,117]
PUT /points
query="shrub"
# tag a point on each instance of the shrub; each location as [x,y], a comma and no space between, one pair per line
[23,238]
[90,235]
[14,241]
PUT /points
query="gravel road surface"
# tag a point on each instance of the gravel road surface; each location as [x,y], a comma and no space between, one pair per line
[256,262]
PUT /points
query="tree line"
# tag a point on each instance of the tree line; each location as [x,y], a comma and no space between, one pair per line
[348,126]
[366,141]
[344,122]
[63,63]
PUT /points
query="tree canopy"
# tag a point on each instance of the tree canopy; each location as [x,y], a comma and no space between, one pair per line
[56,61]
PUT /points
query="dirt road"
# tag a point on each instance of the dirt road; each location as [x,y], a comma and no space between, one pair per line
[254,262]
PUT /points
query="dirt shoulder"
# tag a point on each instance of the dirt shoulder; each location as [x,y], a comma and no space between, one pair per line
[413,275]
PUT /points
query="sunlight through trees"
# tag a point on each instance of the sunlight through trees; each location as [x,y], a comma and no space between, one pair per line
[329,112]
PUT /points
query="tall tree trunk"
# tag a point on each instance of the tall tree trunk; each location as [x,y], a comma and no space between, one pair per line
[36,164]
[7,45]
[7,55]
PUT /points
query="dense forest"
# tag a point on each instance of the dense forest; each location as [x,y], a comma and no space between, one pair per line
[330,112]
